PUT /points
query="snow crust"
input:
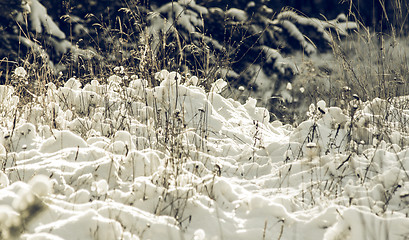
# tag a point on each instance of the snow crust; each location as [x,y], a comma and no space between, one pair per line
[118,159]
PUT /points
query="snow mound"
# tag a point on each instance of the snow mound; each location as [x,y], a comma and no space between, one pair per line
[111,160]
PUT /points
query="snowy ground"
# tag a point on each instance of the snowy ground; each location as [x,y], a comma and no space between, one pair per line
[122,160]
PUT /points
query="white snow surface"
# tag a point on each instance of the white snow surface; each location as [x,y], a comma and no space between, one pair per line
[117,159]
[40,20]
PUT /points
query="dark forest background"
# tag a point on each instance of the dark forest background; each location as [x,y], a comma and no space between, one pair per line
[379,15]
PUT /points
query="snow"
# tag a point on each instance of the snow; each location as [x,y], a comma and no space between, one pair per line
[118,160]
[20,72]
[236,14]
[40,19]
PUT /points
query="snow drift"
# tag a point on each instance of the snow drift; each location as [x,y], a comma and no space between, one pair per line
[119,159]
